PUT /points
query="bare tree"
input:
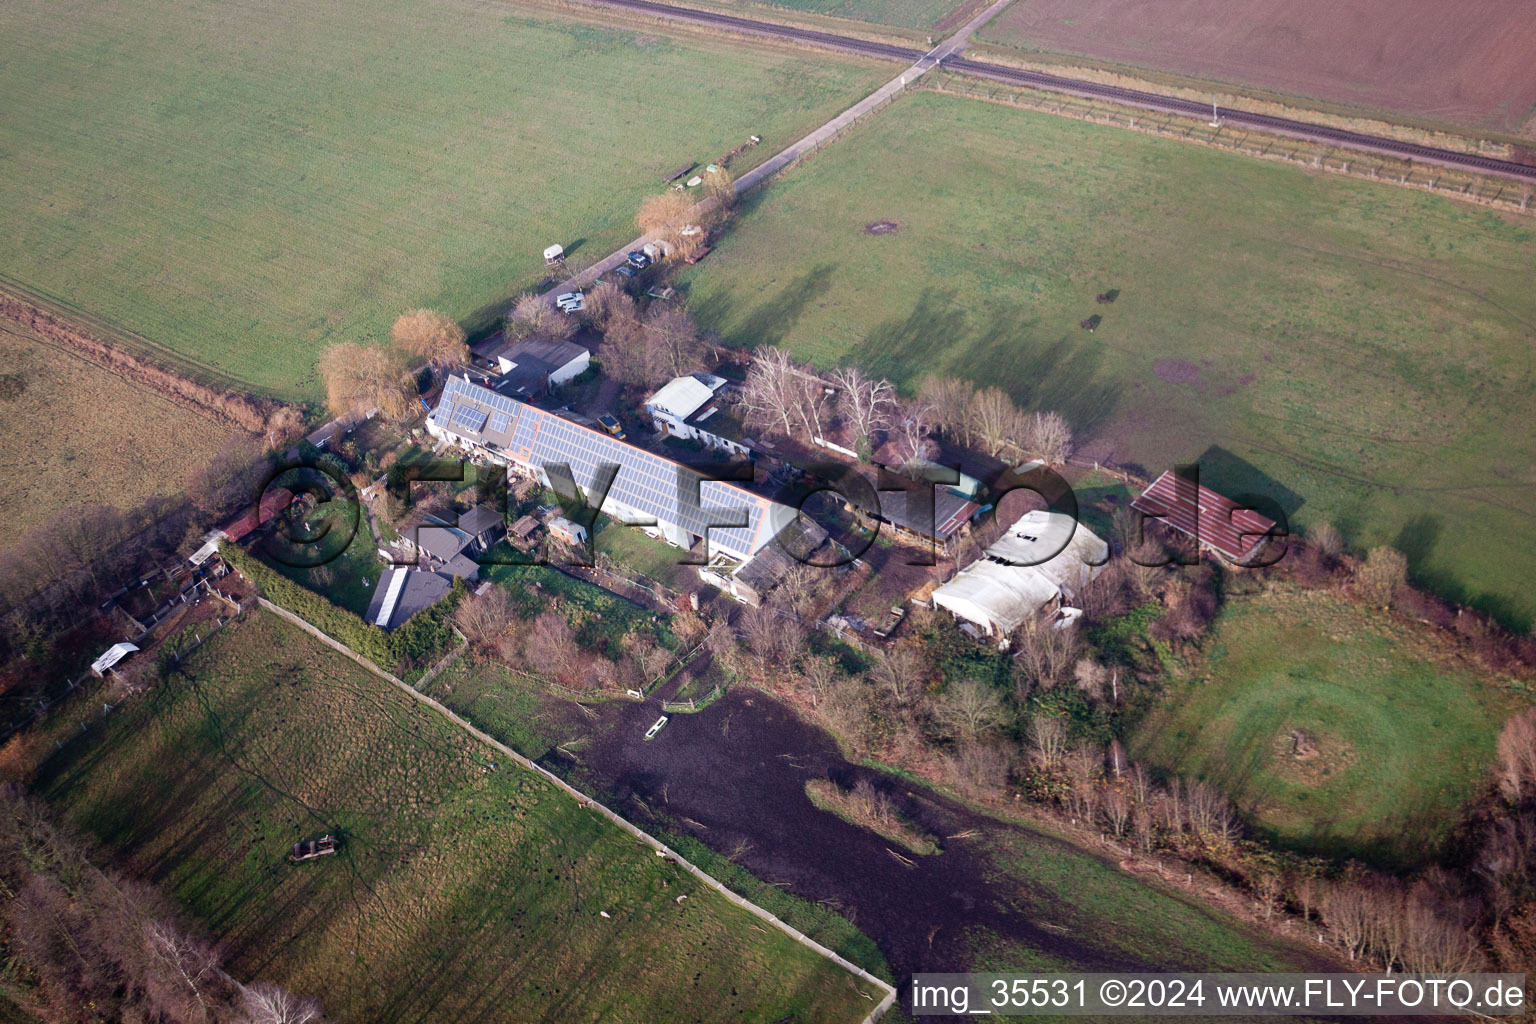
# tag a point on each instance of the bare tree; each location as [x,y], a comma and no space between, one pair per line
[607,304]
[1047,739]
[950,398]
[1327,539]
[533,317]
[551,646]
[994,421]
[810,402]
[769,392]
[672,342]
[359,378]
[1516,771]
[820,674]
[266,1003]
[1384,573]
[898,672]
[485,617]
[913,423]
[866,402]
[1043,651]
[970,707]
[432,336]
[1048,438]
[1346,910]
[1117,808]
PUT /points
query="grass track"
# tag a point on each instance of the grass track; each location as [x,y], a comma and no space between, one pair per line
[1361,353]
[1404,731]
[461,894]
[246,182]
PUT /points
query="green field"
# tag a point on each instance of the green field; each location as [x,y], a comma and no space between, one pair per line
[918,14]
[247,183]
[467,888]
[1361,353]
[1402,732]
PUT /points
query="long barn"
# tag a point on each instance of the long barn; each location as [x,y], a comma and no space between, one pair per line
[684,506]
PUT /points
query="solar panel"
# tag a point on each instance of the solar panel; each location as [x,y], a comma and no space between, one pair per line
[646,484]
[470,418]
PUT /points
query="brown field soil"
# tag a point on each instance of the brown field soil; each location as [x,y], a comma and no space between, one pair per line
[1462,64]
[77,434]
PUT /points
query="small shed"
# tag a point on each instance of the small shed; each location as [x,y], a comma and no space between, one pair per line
[564,529]
[554,254]
[113,655]
[523,531]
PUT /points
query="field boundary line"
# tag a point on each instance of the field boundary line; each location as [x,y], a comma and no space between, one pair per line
[585,801]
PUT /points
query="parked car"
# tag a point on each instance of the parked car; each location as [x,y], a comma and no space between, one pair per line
[698,254]
[611,424]
[637,259]
[571,302]
[625,270]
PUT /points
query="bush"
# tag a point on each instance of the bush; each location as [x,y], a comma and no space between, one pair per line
[1384,573]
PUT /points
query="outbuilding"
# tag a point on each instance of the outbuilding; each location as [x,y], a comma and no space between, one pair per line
[1042,562]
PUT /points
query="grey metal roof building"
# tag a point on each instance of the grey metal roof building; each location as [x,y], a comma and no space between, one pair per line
[402,593]
[647,488]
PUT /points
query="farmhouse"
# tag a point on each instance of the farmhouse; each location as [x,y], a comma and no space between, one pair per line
[669,501]
[688,407]
[1041,562]
[452,549]
[533,367]
[1216,523]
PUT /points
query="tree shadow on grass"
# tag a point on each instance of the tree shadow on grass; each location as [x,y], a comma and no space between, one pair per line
[1004,351]
[772,319]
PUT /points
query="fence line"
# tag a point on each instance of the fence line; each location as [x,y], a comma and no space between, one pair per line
[690,706]
[584,801]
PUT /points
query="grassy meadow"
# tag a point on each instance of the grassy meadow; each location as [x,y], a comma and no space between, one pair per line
[244,184]
[1399,733]
[466,888]
[78,435]
[1360,353]
[918,14]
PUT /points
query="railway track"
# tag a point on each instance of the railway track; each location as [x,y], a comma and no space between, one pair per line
[1088,90]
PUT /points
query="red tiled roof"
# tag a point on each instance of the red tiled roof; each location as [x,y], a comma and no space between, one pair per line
[272,502]
[1216,522]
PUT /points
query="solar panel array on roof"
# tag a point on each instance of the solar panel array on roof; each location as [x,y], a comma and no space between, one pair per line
[1217,522]
[470,418]
[646,484]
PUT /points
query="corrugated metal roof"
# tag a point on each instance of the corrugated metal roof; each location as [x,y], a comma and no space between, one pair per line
[681,397]
[647,484]
[1216,522]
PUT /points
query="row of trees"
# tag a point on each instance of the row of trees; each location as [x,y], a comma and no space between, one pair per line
[93,945]
[782,395]
[359,378]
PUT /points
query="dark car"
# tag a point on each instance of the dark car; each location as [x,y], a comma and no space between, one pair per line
[624,270]
[637,259]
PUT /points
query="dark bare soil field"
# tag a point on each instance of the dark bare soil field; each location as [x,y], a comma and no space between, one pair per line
[1466,64]
[734,776]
